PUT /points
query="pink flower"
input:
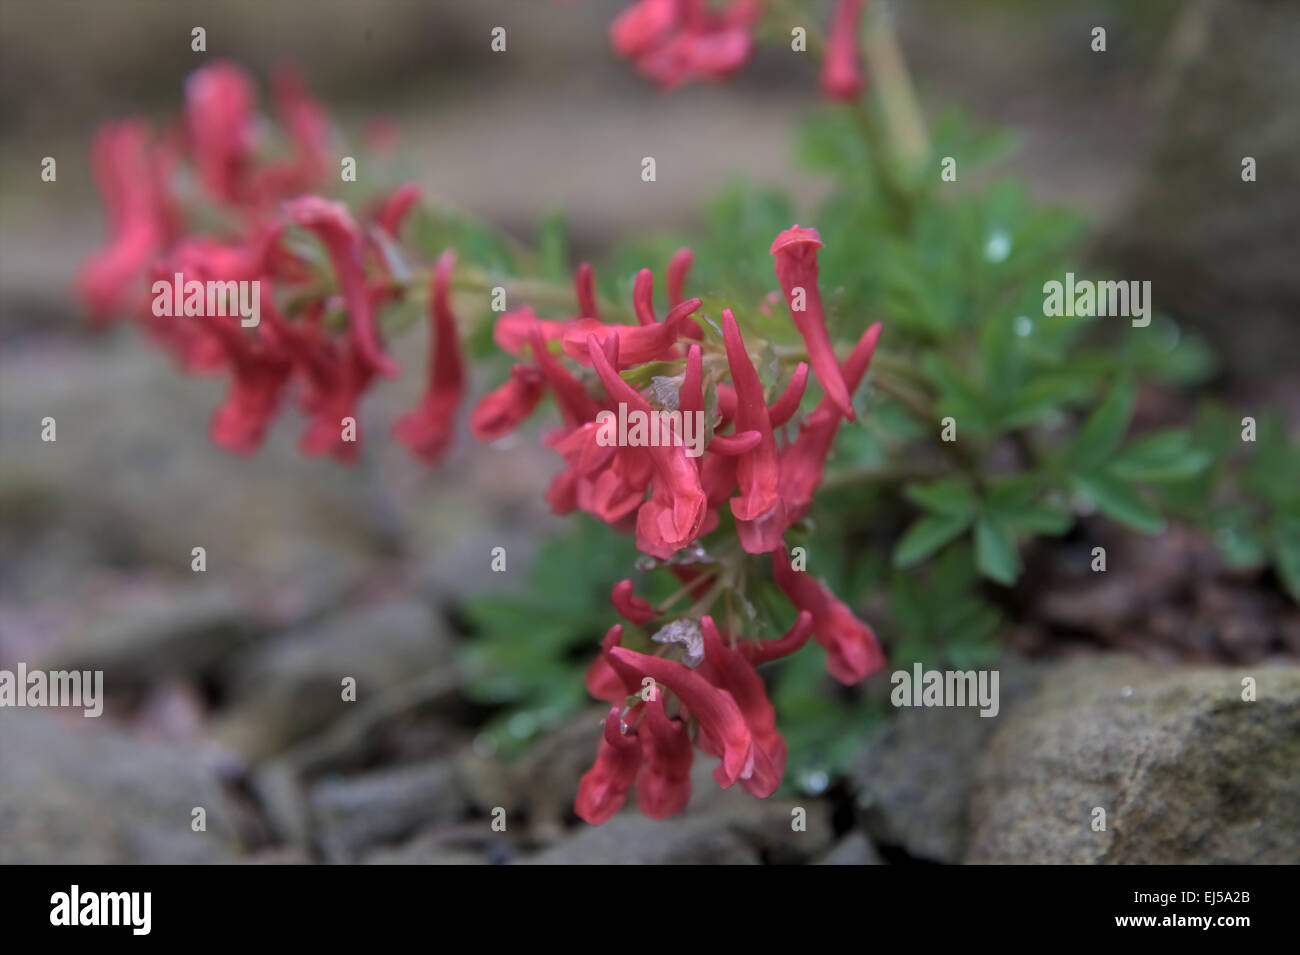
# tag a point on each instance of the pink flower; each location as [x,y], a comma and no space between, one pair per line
[674,41]
[427,430]
[795,250]
[841,75]
[729,670]
[664,786]
[219,121]
[610,679]
[501,411]
[804,461]
[131,177]
[344,243]
[679,266]
[631,607]
[852,653]
[637,344]
[722,727]
[673,516]
[759,510]
[763,651]
[603,788]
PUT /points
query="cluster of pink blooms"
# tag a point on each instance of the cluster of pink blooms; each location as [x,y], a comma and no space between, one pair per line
[674,41]
[698,688]
[670,500]
[214,171]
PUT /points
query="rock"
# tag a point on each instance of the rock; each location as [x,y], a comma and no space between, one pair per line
[1186,771]
[141,635]
[853,849]
[78,792]
[292,686]
[630,838]
[351,815]
[913,776]
[462,845]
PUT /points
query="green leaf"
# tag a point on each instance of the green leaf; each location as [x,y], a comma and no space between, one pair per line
[1161,457]
[1286,555]
[995,552]
[1104,430]
[927,535]
[951,496]
[1118,500]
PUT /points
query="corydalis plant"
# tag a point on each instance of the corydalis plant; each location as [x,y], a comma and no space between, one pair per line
[717,521]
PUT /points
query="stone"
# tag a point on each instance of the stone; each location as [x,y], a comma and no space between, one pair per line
[1186,771]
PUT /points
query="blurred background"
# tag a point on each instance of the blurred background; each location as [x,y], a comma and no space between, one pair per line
[223,686]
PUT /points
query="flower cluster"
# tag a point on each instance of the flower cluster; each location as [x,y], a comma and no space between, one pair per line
[216,170]
[675,41]
[702,517]
[675,679]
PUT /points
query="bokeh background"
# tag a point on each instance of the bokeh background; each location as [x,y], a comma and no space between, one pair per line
[224,686]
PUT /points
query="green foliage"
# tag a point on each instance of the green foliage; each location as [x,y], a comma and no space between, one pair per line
[530,650]
[1248,498]
[926,530]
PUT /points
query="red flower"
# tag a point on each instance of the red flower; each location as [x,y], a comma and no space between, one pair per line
[763,651]
[427,430]
[603,788]
[729,670]
[679,266]
[759,511]
[852,653]
[673,516]
[664,786]
[239,424]
[131,177]
[219,121]
[629,606]
[795,250]
[512,330]
[396,207]
[584,286]
[804,461]
[673,41]
[501,411]
[722,727]
[637,344]
[611,679]
[345,245]
[841,76]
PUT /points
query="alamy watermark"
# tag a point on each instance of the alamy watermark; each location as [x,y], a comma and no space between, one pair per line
[74,907]
[211,299]
[1088,299]
[946,688]
[634,428]
[76,688]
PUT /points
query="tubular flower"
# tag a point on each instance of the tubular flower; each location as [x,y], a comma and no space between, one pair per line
[674,41]
[501,411]
[427,430]
[664,786]
[729,670]
[841,74]
[852,653]
[795,250]
[603,788]
[344,244]
[219,122]
[759,511]
[722,727]
[131,175]
[804,461]
[715,479]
